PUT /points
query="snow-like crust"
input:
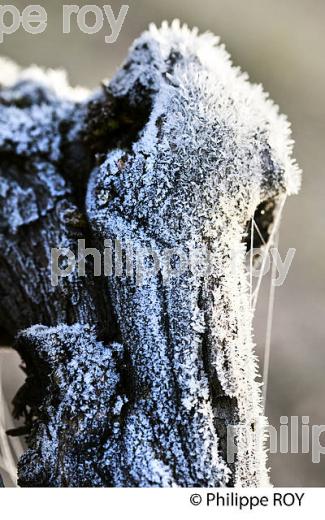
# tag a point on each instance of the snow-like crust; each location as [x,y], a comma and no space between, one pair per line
[82,402]
[213,148]
[55,80]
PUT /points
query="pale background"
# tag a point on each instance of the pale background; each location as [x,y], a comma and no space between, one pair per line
[281,43]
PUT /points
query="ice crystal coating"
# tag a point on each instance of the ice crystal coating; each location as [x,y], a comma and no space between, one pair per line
[213,148]
[188,150]
[55,82]
[31,112]
[81,406]
[39,209]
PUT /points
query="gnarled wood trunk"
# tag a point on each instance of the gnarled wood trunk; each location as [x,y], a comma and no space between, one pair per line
[134,379]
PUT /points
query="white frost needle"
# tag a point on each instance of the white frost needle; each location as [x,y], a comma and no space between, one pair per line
[270,312]
[251,260]
[259,233]
[267,248]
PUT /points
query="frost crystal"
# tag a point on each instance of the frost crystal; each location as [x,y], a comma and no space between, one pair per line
[187,151]
[81,403]
[213,148]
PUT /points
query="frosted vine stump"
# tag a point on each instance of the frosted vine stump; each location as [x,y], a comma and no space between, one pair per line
[178,152]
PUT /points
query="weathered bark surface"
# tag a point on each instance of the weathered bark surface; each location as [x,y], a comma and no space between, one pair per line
[81,410]
[134,382]
[40,210]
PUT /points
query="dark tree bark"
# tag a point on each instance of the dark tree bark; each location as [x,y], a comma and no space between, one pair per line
[41,210]
[134,380]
